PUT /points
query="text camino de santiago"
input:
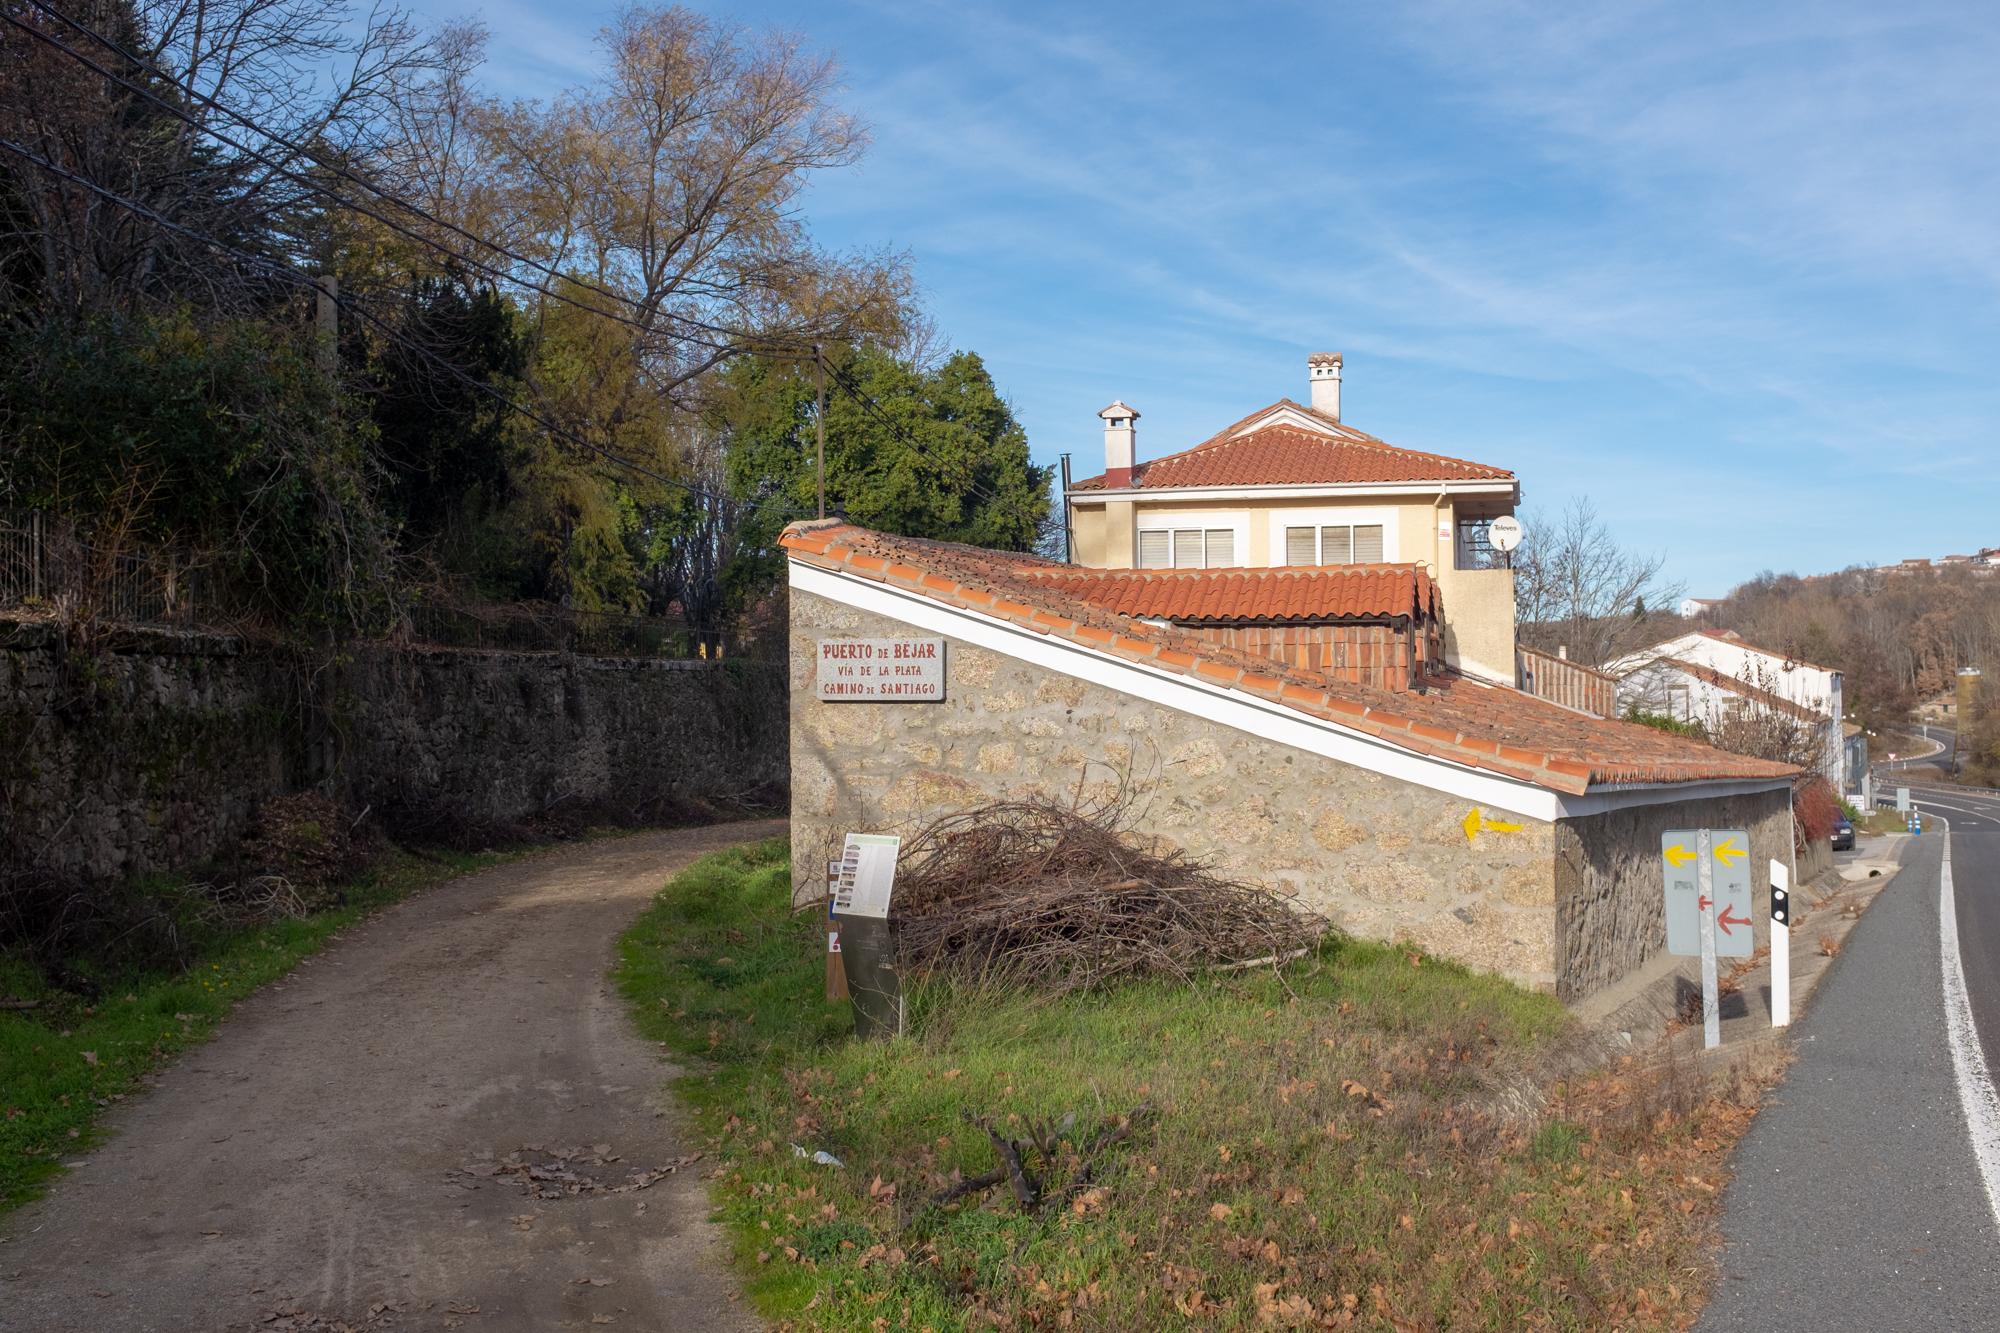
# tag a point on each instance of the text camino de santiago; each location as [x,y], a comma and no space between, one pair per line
[900,674]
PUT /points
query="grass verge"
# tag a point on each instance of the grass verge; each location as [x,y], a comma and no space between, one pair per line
[68,1058]
[1376,1140]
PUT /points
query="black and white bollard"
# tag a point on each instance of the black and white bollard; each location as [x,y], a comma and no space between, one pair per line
[1781,945]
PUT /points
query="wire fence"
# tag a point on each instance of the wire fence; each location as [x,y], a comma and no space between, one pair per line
[48,568]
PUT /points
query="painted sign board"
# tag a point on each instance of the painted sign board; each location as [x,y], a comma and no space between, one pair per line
[867,875]
[880,670]
[1729,871]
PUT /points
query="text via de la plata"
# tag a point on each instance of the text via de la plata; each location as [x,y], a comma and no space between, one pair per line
[881,670]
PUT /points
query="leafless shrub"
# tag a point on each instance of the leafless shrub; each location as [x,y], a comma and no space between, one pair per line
[1056,895]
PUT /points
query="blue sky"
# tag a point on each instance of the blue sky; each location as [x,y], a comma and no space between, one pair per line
[1731,271]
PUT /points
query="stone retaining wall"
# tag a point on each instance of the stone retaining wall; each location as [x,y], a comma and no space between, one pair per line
[1611,908]
[153,754]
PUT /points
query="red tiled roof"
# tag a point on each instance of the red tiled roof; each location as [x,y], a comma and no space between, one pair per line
[1282,455]
[1458,720]
[1253,596]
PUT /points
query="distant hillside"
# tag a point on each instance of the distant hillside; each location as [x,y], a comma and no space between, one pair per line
[1898,634]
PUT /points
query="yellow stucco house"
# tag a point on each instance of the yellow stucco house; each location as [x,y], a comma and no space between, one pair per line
[1294,485]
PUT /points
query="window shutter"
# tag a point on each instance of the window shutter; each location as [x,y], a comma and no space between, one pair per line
[1299,547]
[1368,544]
[1336,545]
[1221,548]
[1187,548]
[1153,550]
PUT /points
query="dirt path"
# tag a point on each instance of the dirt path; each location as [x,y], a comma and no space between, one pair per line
[311,1159]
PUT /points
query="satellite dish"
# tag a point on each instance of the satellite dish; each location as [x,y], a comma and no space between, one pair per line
[1504,533]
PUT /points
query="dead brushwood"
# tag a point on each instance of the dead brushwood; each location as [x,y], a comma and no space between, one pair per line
[1057,896]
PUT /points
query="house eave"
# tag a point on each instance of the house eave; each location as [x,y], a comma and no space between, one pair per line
[1419,490]
[1247,713]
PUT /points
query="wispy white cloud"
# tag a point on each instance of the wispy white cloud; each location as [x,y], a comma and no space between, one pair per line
[1738,246]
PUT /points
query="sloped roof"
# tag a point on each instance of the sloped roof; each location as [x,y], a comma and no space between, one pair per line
[1743,689]
[1462,721]
[1731,637]
[1331,454]
[1256,596]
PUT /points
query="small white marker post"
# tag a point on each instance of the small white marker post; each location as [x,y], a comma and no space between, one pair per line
[1781,945]
[1711,1008]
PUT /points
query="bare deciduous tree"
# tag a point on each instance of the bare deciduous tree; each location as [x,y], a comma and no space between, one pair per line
[1577,589]
[315,81]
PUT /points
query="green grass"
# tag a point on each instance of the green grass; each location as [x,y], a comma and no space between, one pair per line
[67,1060]
[1883,821]
[1375,1138]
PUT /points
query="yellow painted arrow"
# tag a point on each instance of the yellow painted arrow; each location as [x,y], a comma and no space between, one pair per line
[1728,853]
[1679,855]
[1475,823]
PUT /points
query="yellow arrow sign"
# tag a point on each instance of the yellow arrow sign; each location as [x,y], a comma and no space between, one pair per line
[1679,855]
[1728,853]
[1475,823]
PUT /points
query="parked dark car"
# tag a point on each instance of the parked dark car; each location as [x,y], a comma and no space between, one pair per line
[1843,834]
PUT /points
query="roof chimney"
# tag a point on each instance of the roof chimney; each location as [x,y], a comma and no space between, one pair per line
[1118,432]
[1324,370]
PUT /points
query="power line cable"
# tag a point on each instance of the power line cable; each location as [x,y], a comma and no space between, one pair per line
[759,343]
[291,274]
[372,187]
[326,192]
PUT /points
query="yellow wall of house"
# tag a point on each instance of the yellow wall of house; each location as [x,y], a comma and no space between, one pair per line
[1478,603]
[1104,535]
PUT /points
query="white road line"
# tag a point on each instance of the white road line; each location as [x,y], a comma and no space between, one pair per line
[1968,1061]
[1970,812]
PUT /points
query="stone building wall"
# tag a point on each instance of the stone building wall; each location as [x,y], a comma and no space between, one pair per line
[1381,858]
[154,754]
[1610,903]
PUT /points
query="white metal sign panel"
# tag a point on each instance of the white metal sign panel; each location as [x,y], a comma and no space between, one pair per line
[867,875]
[1729,878]
[880,670]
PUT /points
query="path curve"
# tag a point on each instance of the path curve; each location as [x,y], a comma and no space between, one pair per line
[308,1160]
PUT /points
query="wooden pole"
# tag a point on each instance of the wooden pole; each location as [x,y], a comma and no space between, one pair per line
[819,422]
[326,317]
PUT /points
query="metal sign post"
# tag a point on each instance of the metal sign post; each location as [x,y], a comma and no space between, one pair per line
[867,948]
[836,966]
[1711,1004]
[1781,945]
[1708,907]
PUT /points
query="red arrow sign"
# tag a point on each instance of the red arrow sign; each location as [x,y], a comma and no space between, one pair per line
[1725,920]
[1701,903]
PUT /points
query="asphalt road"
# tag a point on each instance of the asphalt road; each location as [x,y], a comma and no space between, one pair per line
[1858,1201]
[332,1159]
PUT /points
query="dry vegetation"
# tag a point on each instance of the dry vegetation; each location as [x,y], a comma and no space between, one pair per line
[1371,1139]
[1060,896]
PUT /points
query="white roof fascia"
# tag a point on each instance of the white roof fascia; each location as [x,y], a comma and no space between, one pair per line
[1239,710]
[1423,490]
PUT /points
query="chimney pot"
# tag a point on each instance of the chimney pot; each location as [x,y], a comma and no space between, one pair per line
[1119,440]
[1323,370]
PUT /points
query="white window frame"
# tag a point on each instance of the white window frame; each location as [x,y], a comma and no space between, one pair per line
[1237,524]
[1334,518]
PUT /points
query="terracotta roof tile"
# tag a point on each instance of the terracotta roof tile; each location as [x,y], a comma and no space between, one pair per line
[1491,728]
[1252,596]
[1285,455]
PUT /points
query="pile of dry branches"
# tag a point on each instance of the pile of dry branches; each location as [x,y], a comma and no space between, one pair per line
[1056,895]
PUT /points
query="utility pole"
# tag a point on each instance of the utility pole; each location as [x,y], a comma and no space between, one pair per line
[326,318]
[819,422]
